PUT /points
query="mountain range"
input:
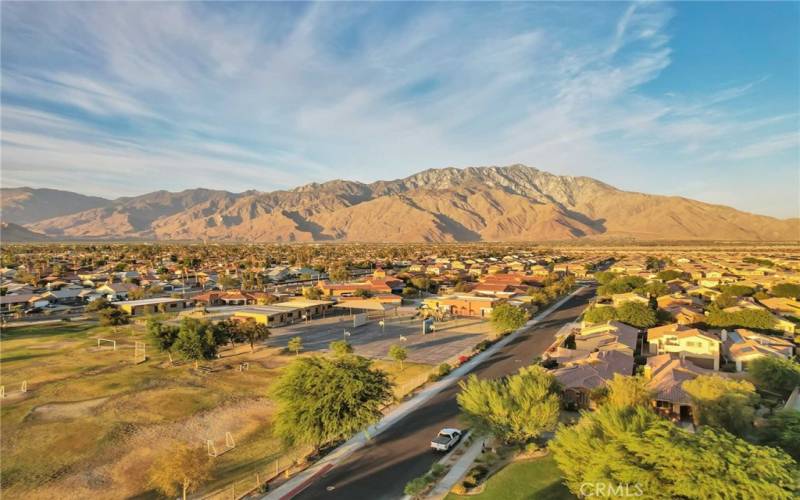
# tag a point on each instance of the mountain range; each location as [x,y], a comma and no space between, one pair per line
[513,203]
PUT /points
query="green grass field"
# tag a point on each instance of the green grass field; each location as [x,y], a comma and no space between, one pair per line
[92,421]
[537,479]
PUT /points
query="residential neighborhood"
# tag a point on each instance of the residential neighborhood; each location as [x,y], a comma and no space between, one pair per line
[664,319]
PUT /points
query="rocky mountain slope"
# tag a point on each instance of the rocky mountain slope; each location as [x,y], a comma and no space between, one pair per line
[25,205]
[14,233]
[473,204]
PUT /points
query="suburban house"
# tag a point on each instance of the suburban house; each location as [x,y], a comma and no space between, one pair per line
[578,378]
[742,346]
[685,315]
[612,335]
[116,291]
[700,347]
[783,306]
[666,374]
[21,301]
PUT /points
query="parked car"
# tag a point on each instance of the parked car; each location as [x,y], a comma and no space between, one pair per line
[446,439]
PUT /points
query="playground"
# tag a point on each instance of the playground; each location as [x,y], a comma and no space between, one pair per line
[86,409]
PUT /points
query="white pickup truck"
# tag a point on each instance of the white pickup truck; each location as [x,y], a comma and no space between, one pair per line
[446,439]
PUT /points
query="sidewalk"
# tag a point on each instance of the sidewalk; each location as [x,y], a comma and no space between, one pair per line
[457,471]
[295,485]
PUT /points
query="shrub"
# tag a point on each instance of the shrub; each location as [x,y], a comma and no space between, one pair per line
[444,370]
[437,470]
[482,345]
[459,489]
[416,487]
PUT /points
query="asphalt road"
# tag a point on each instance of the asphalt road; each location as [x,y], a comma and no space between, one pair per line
[401,453]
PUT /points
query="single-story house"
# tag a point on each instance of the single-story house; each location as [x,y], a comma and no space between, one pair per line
[155,305]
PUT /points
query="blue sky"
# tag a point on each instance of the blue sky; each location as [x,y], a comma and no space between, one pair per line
[692,99]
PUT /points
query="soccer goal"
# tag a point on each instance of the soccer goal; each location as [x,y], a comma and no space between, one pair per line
[139,355]
[212,448]
[106,342]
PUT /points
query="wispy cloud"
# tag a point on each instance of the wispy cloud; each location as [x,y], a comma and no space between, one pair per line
[124,98]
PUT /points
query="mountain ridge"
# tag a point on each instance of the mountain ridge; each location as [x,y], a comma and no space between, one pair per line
[511,203]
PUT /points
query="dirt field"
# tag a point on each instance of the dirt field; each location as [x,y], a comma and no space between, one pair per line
[92,421]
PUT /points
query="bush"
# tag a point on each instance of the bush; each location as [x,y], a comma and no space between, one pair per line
[459,489]
[475,475]
[444,369]
[416,487]
[437,470]
[483,345]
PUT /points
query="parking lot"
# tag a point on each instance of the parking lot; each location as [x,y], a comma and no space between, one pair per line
[371,340]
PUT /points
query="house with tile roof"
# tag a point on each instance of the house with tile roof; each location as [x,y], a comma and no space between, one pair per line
[580,376]
[665,375]
[742,346]
[698,346]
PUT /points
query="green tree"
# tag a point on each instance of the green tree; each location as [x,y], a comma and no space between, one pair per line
[338,273]
[295,344]
[253,331]
[516,409]
[628,391]
[398,353]
[725,300]
[746,318]
[737,290]
[363,293]
[312,293]
[538,297]
[621,284]
[655,289]
[634,446]
[604,277]
[341,348]
[599,314]
[180,470]
[196,340]
[776,375]
[112,316]
[507,318]
[636,314]
[789,290]
[323,400]
[98,305]
[782,430]
[669,275]
[228,282]
[421,283]
[163,336]
[722,402]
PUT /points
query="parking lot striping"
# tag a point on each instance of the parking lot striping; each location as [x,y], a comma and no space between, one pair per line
[306,477]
